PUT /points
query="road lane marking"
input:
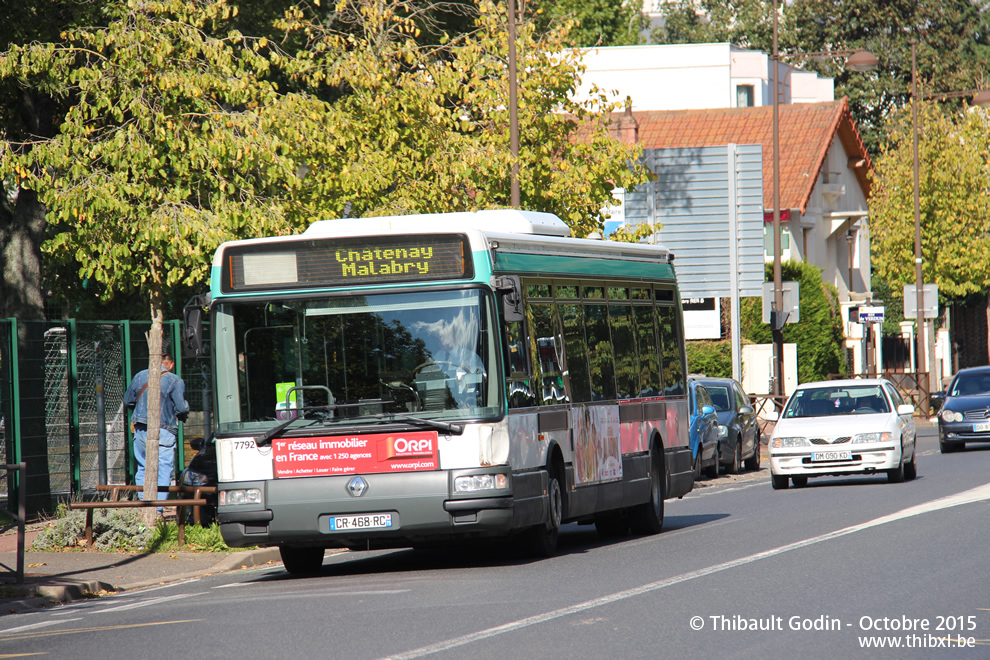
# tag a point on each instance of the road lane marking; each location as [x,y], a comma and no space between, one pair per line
[145,603]
[977,494]
[73,631]
[41,624]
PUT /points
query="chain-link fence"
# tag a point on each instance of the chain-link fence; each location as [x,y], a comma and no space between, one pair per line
[62,387]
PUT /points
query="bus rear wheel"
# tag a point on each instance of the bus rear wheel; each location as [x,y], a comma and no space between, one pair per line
[301,561]
[647,518]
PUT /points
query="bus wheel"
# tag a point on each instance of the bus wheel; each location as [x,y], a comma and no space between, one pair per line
[301,561]
[647,518]
[542,539]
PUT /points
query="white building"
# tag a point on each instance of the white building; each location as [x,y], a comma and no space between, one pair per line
[696,76]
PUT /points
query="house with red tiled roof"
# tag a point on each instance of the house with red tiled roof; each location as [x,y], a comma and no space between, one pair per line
[824,180]
[824,184]
[702,96]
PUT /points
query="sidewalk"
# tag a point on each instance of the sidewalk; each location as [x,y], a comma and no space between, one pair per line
[60,577]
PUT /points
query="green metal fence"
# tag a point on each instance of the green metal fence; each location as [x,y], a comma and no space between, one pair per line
[62,386]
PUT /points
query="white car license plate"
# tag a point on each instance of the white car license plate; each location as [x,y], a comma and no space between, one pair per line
[979,428]
[366,521]
[831,456]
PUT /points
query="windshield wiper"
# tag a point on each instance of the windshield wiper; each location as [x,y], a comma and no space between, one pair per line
[272,433]
[455,429]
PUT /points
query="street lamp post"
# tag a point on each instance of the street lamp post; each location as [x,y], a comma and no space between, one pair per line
[858,60]
[919,278]
[513,107]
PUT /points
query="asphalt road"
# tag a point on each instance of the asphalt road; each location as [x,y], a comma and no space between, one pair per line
[740,571]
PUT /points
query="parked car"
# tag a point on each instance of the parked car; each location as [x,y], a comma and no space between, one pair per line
[202,471]
[703,432]
[843,427]
[964,410]
[738,430]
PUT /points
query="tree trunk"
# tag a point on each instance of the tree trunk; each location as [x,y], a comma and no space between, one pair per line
[22,229]
[21,234]
[154,406]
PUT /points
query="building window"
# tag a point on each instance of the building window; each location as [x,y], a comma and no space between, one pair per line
[744,96]
[785,239]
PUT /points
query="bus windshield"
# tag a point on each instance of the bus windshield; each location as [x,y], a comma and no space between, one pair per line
[343,359]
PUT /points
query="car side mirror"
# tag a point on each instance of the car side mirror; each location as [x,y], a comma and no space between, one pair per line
[772,416]
[937,401]
[905,409]
[707,410]
[745,410]
[196,444]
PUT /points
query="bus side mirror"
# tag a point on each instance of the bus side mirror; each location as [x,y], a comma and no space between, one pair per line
[192,325]
[511,290]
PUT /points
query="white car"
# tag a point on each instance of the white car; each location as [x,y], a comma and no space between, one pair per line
[843,427]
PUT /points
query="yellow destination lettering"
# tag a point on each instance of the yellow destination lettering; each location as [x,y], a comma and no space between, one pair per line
[372,262]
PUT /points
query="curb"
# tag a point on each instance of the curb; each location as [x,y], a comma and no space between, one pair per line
[65,591]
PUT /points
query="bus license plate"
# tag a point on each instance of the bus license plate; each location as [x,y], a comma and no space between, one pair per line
[831,456]
[366,521]
[982,427]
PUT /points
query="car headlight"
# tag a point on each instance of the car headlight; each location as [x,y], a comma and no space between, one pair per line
[723,431]
[863,438]
[191,478]
[245,496]
[781,443]
[951,416]
[476,482]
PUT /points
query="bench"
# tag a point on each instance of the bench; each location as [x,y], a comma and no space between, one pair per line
[115,491]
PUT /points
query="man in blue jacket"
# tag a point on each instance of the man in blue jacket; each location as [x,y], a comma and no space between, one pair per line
[174,408]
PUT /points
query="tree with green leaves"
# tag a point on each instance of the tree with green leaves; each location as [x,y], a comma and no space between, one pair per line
[181,132]
[954,202]
[596,22]
[819,333]
[745,23]
[953,43]
[953,50]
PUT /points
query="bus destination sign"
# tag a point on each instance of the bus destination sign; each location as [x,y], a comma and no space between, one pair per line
[342,261]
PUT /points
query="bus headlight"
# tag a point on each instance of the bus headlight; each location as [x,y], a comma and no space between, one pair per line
[476,482]
[246,496]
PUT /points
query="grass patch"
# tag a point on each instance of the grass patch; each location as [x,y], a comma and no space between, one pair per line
[165,538]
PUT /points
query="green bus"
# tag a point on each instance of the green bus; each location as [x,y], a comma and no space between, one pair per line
[430,379]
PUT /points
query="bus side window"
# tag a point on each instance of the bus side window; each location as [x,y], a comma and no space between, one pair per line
[545,351]
[649,354]
[575,351]
[601,362]
[621,320]
[673,364]
[518,385]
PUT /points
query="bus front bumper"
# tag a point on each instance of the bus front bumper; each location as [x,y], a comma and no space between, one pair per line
[391,510]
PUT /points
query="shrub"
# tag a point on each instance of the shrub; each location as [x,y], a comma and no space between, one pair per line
[113,529]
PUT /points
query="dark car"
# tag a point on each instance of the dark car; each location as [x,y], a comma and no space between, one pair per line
[964,413]
[703,430]
[202,471]
[738,430]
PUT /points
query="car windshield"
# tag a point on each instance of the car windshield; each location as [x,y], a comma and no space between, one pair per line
[971,385]
[721,397]
[838,400]
[355,359]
